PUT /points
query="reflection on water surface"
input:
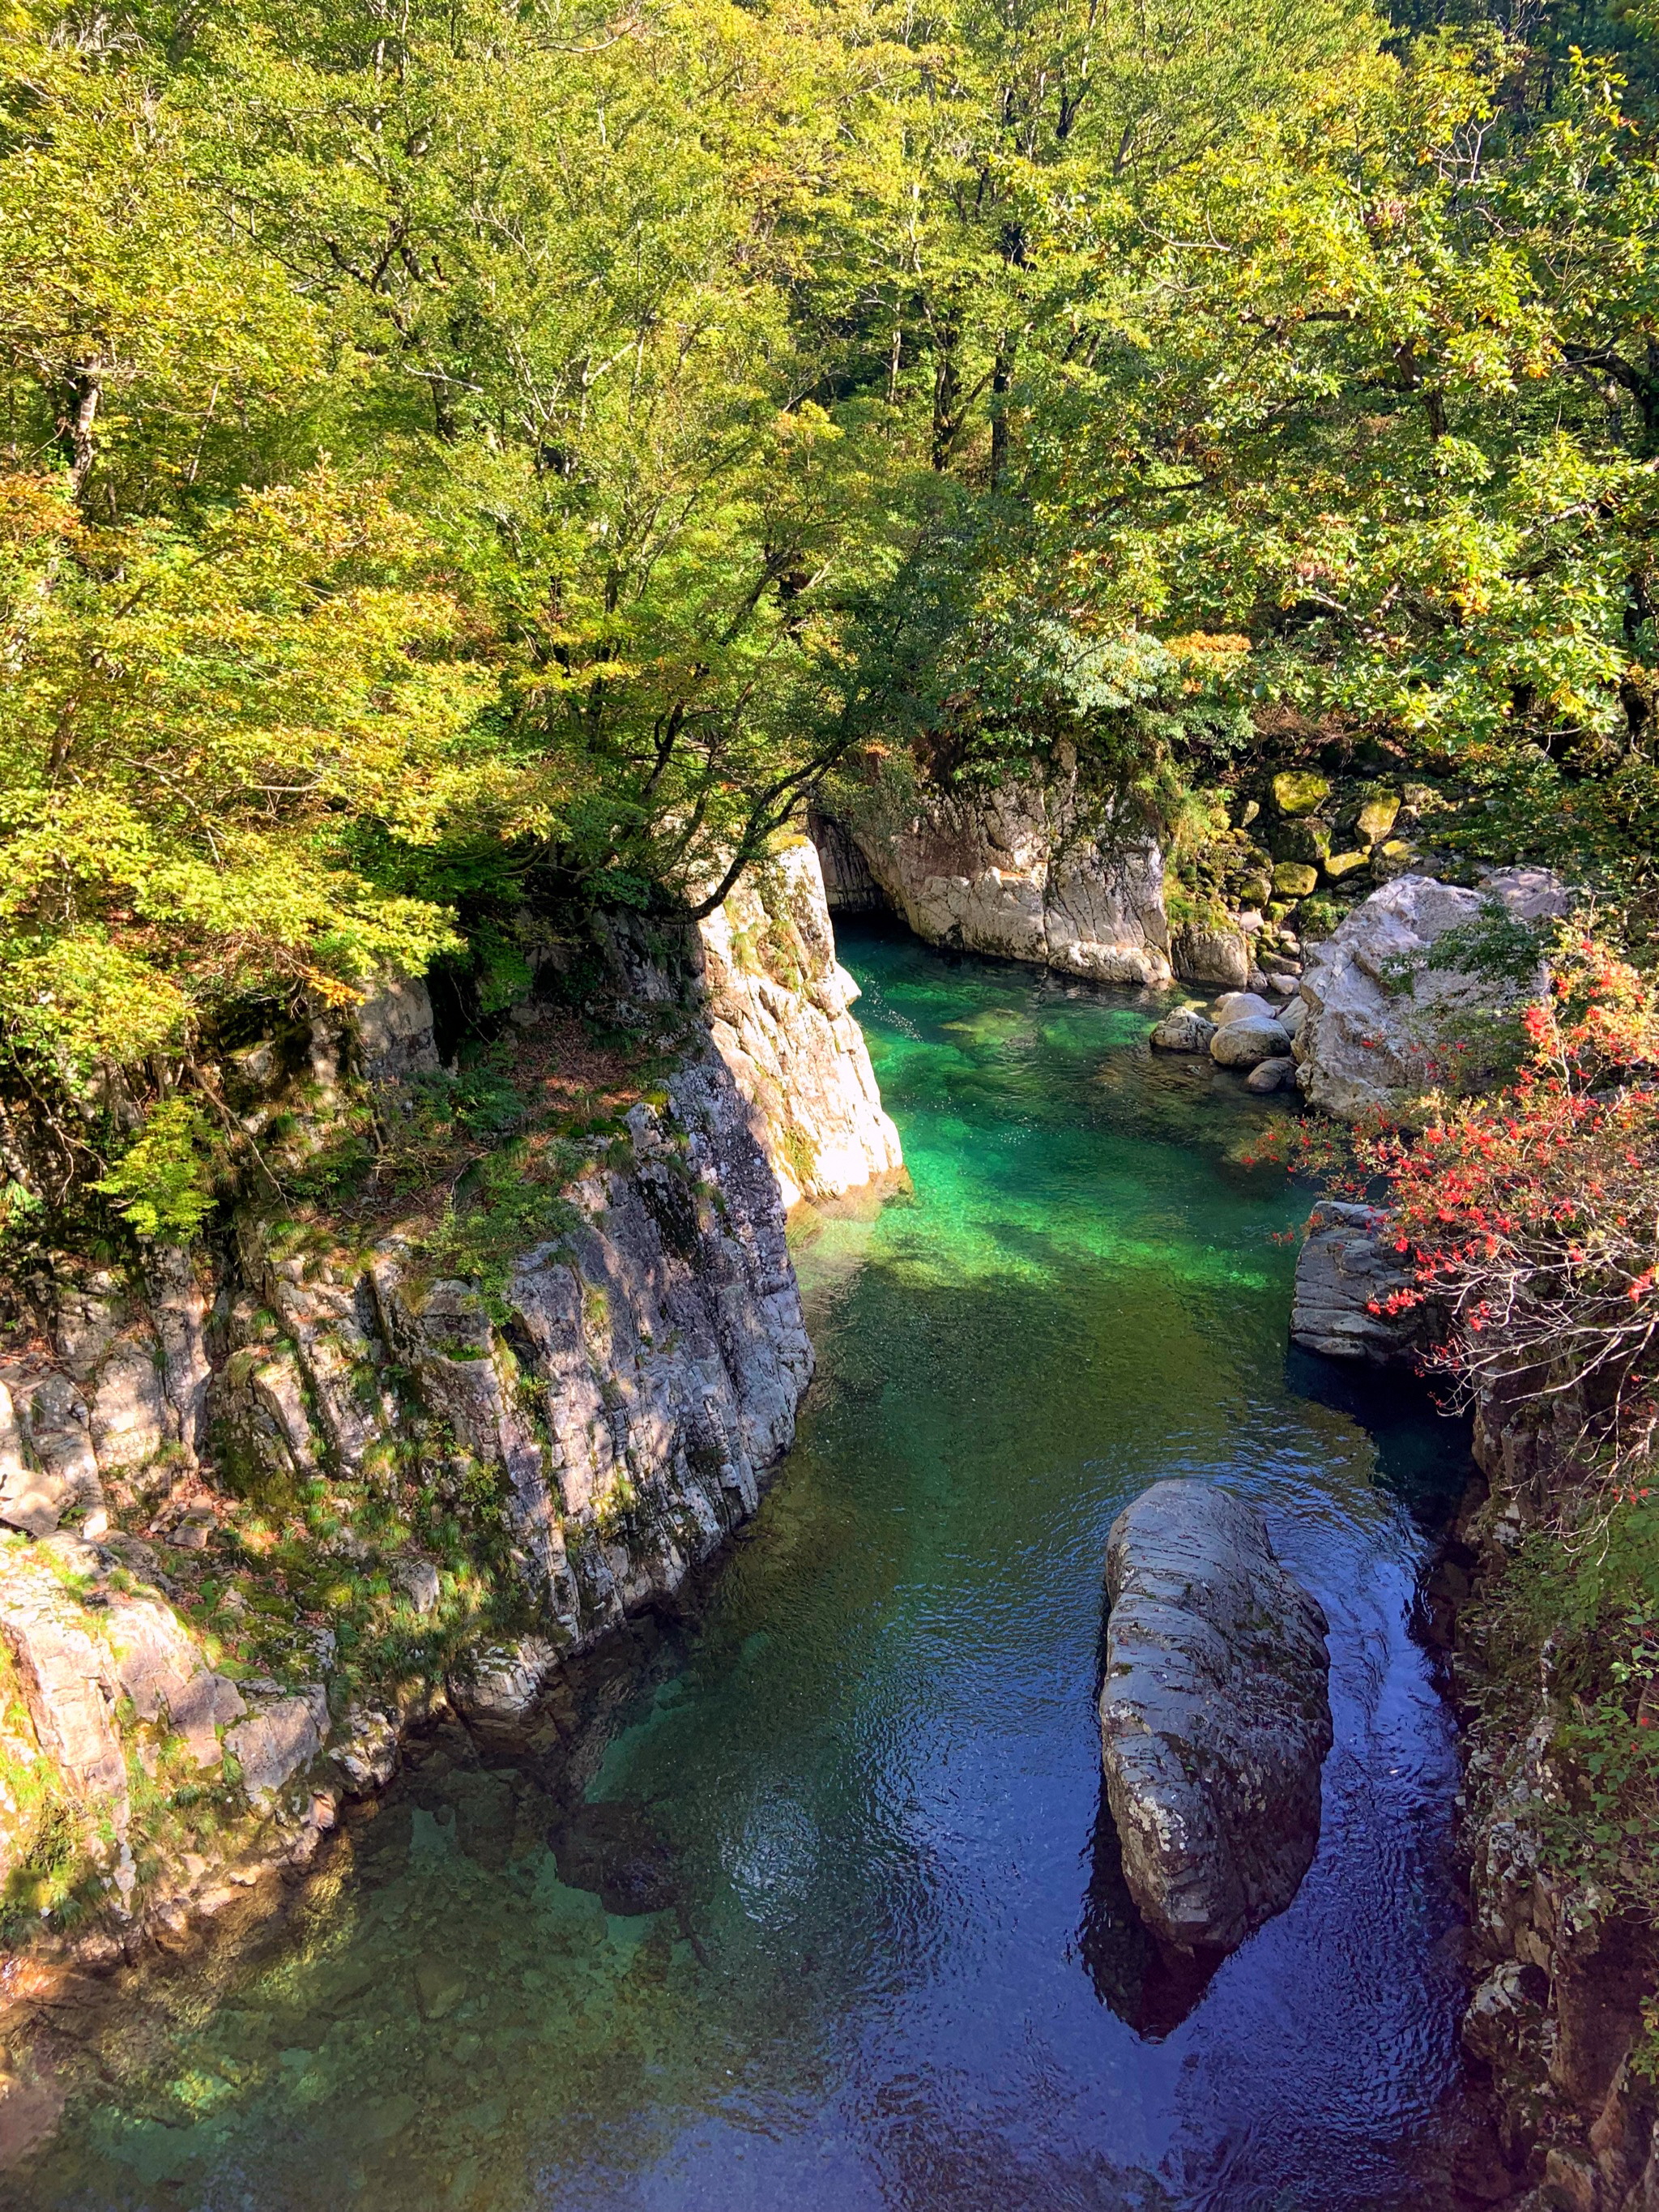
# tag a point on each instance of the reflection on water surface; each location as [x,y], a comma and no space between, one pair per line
[829,1922]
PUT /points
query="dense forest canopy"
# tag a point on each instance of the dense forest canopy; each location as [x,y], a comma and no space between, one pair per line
[465,456]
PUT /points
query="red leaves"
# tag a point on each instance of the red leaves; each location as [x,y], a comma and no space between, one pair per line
[1530,1221]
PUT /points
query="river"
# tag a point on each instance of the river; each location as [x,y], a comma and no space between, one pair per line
[894,1970]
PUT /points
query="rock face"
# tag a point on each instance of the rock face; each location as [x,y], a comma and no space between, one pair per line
[74,1661]
[849,886]
[1021,871]
[1341,1272]
[779,1012]
[1214,1715]
[1367,1043]
[1561,1975]
[613,1402]
[645,1374]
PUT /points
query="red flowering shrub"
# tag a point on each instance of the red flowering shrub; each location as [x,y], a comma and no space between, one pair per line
[1530,1218]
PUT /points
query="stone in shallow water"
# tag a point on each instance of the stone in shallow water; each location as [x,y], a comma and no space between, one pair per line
[1247,1043]
[1214,1714]
[1268,1075]
[616,1850]
[1241,1007]
[1184,1031]
[440,1986]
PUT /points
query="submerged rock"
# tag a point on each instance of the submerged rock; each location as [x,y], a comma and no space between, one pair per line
[616,1850]
[1268,1075]
[1215,1716]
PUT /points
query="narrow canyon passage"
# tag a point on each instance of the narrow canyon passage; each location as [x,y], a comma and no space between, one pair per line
[887,1961]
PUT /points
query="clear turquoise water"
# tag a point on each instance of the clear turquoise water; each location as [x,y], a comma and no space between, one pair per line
[899,1972]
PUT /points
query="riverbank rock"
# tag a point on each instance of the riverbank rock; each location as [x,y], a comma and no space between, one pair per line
[1270,1075]
[1184,1031]
[780,1014]
[1343,1271]
[1376,1012]
[1247,1043]
[1242,1007]
[1214,1714]
[1027,871]
[606,1414]
[1205,952]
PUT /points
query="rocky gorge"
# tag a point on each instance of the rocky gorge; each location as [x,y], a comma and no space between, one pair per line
[666,1893]
[596,1409]
[1361,1018]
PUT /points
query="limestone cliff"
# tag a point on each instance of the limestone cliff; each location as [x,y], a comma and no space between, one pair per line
[779,1006]
[1027,871]
[264,1501]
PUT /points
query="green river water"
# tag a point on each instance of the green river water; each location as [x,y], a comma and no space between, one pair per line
[900,1974]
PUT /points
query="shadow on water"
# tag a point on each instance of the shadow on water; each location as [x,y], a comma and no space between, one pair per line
[1422,1453]
[1132,1976]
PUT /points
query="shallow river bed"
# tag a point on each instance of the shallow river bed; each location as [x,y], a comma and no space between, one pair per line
[889,1966]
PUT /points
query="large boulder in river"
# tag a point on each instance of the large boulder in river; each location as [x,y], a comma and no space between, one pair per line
[1377,1012]
[1184,1031]
[1215,1716]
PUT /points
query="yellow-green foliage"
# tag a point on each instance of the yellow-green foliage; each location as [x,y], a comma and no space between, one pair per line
[194,729]
[33,1810]
[162,1180]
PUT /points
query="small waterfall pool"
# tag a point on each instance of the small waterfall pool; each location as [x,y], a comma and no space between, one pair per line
[887,1964]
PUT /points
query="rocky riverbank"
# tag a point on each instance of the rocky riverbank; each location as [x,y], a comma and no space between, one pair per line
[1564,1963]
[1040,867]
[1530,1603]
[268,1502]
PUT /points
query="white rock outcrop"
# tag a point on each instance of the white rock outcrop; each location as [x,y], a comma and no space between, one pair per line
[1375,1012]
[1023,871]
[81,1651]
[779,1009]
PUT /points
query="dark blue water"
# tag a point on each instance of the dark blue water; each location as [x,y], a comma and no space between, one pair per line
[899,1974]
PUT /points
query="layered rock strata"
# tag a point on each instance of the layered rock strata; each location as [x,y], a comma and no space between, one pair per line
[1214,1714]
